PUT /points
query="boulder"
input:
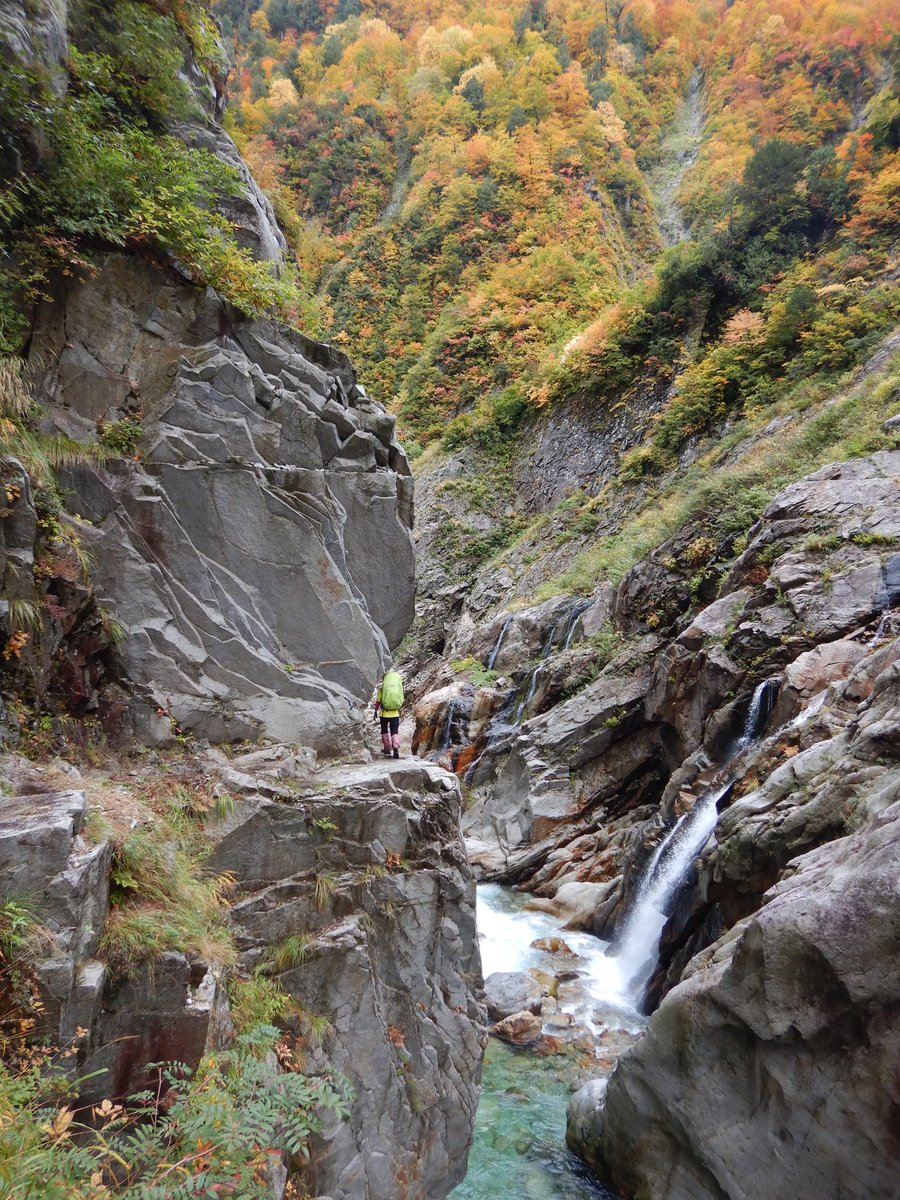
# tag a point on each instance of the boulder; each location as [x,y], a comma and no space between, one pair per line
[554,945]
[508,992]
[519,1029]
[583,1117]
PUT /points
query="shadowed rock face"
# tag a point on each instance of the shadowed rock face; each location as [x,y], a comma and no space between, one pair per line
[35,36]
[364,864]
[772,1069]
[369,866]
[259,555]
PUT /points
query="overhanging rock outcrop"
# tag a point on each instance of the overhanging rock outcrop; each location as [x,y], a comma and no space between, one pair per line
[259,553]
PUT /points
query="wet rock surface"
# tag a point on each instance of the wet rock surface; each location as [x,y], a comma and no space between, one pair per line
[252,538]
[766,705]
[789,1014]
[519,1028]
[583,790]
[509,992]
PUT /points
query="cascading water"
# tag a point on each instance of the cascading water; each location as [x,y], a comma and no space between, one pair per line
[492,657]
[668,867]
[812,709]
[456,723]
[559,638]
[578,609]
[518,1143]
[639,939]
[506,721]
[519,1146]
[758,713]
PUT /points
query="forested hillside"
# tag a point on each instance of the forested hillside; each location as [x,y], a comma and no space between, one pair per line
[481,195]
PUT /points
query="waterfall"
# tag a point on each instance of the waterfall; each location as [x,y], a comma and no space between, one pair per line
[806,714]
[758,712]
[578,609]
[505,722]
[453,732]
[532,688]
[885,628]
[672,859]
[559,637]
[666,870]
[492,657]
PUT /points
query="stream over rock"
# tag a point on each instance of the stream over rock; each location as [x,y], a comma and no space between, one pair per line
[724,792]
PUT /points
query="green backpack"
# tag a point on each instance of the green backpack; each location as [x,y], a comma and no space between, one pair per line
[392,692]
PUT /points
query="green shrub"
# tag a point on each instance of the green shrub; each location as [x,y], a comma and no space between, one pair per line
[606,643]
[215,1135]
[110,174]
[476,672]
[120,437]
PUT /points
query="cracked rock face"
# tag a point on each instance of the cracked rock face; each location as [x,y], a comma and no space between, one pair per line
[259,555]
[370,869]
[776,1060]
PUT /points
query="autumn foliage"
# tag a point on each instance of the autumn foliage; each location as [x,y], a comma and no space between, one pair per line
[474,189]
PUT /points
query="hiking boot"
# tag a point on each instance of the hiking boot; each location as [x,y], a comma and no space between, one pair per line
[396,753]
[387,753]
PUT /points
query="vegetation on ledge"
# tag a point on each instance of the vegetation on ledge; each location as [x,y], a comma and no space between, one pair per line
[101,161]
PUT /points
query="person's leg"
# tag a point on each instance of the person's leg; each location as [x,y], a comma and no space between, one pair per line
[395,735]
[385,736]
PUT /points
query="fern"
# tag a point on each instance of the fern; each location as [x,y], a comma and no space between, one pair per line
[235,1108]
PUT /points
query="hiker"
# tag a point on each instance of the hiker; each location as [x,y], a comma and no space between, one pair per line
[387,709]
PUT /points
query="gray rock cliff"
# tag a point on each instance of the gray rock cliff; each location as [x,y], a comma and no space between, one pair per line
[254,543]
[779,1052]
[259,555]
[391,961]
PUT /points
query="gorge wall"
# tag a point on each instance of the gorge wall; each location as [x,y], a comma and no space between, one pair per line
[750,676]
[235,553]
[233,540]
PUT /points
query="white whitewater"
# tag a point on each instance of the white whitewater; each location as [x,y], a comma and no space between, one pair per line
[506,930]
[492,657]
[615,981]
[518,1143]
[639,940]
[638,943]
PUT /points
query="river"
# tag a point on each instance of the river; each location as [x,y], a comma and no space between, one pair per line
[521,1121]
[520,1148]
